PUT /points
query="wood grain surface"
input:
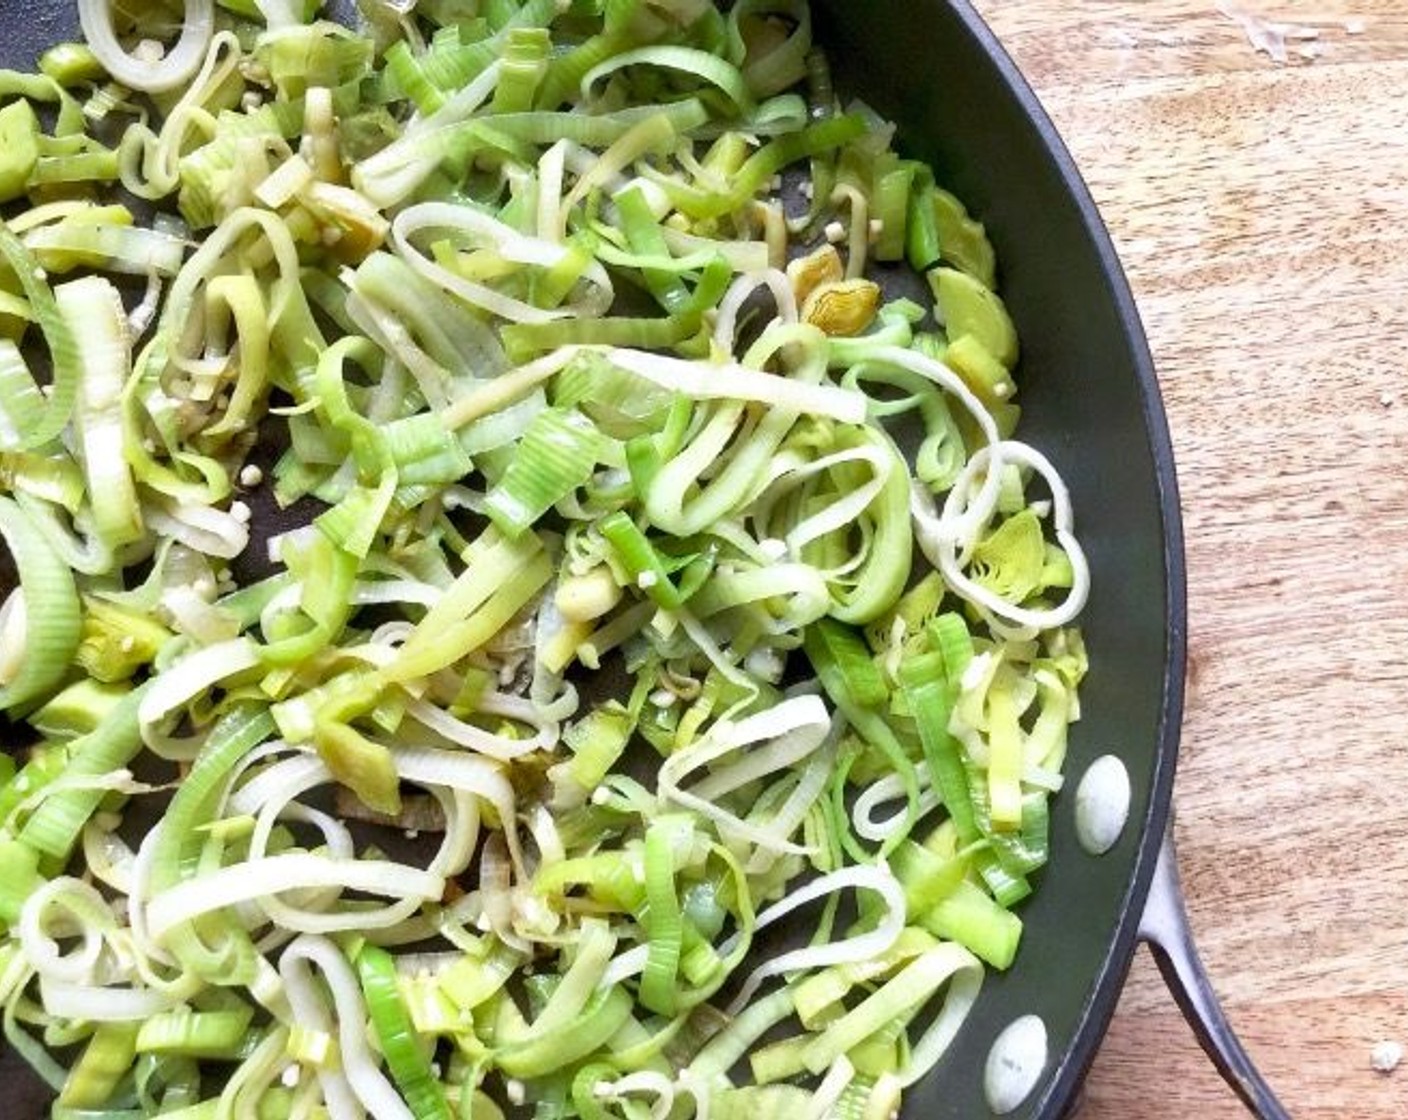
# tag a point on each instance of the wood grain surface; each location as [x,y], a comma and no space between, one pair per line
[1261,211]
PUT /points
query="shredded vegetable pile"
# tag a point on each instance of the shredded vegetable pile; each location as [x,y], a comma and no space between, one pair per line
[506,615]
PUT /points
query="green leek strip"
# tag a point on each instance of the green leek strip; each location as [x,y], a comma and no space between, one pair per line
[97,164]
[971,918]
[676,500]
[556,455]
[191,478]
[893,180]
[930,686]
[95,1077]
[584,1090]
[42,87]
[781,64]
[166,1083]
[596,131]
[54,827]
[596,741]
[192,806]
[397,169]
[758,170]
[242,296]
[692,259]
[196,1034]
[922,248]
[653,134]
[641,561]
[19,878]
[435,332]
[327,575]
[20,135]
[694,63]
[246,604]
[950,639]
[819,997]
[363,766]
[644,237]
[405,70]
[930,701]
[761,1102]
[663,925]
[575,987]
[353,524]
[725,156]
[623,405]
[75,711]
[477,976]
[425,451]
[552,1050]
[927,878]
[63,348]
[397,1038]
[1006,888]
[1005,761]
[847,650]
[897,1000]
[870,725]
[565,72]
[323,54]
[92,308]
[1017,852]
[779,1060]
[449,68]
[51,622]
[526,340]
[44,766]
[250,1090]
[525,61]
[881,578]
[492,590]
[734,1041]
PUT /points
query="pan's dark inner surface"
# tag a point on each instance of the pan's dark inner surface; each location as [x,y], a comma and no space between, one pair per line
[1086,400]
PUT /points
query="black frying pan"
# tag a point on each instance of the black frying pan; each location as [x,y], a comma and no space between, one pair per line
[1091,403]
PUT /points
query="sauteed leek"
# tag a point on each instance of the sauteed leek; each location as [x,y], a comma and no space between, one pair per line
[483,428]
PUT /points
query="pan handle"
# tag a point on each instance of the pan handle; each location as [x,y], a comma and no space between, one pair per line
[1164,927]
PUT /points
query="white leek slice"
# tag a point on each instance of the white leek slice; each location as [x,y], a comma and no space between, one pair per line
[176,65]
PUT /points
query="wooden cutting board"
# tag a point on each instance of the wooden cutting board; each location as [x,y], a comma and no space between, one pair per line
[1260,206]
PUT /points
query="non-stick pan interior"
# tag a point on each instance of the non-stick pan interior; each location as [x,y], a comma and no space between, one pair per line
[1090,403]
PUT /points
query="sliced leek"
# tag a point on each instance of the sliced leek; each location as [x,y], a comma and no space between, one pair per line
[644,580]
